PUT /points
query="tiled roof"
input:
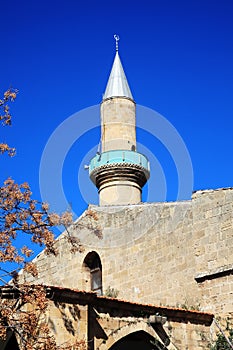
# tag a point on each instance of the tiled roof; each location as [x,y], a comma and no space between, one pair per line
[175,314]
[112,305]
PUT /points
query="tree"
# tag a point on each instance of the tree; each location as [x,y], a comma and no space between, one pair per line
[22,215]
[221,343]
[224,338]
[5,117]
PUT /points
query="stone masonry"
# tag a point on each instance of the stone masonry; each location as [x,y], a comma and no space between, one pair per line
[118,124]
[176,254]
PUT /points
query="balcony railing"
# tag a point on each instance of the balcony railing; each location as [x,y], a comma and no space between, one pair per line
[119,156]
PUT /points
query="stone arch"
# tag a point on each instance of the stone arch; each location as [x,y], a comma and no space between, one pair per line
[137,341]
[10,343]
[130,335]
[92,273]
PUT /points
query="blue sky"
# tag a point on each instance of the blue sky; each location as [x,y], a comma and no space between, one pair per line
[178,58]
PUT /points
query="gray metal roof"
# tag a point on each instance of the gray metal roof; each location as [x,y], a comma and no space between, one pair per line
[117,85]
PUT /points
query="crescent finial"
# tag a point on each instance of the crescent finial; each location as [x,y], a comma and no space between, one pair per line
[117,38]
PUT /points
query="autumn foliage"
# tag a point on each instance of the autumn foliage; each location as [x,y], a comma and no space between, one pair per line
[5,118]
[19,215]
[24,314]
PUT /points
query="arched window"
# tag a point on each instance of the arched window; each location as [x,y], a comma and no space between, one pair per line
[93,266]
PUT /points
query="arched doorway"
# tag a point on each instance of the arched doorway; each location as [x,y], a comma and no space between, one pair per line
[138,341]
[92,269]
[10,343]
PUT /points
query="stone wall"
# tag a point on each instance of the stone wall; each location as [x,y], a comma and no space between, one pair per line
[181,335]
[67,322]
[173,254]
[213,243]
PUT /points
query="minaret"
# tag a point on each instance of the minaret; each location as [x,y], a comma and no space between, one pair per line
[119,171]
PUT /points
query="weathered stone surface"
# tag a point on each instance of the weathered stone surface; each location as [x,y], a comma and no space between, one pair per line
[153,252]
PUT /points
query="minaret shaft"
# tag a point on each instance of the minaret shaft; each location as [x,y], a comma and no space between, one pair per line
[118,129]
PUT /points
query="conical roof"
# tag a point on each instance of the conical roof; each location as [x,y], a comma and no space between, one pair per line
[117,85]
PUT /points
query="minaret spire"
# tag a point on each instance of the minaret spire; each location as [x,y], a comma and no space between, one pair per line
[117,85]
[119,171]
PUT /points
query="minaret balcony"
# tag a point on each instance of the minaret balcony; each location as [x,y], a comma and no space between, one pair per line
[119,163]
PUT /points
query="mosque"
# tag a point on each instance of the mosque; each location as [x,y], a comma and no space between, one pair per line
[150,275]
